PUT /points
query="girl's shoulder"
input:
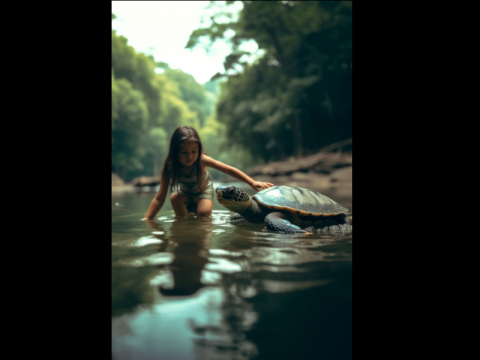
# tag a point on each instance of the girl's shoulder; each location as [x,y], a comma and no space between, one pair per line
[206,160]
[218,165]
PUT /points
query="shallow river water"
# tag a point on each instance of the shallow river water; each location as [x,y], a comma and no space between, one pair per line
[195,289]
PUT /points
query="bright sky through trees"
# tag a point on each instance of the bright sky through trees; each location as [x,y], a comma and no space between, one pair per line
[162,29]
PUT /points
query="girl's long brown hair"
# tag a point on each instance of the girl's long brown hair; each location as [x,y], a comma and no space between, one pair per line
[172,168]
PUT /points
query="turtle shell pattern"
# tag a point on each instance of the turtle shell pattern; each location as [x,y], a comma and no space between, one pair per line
[298,201]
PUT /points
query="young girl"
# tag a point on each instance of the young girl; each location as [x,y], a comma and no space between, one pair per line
[185,170]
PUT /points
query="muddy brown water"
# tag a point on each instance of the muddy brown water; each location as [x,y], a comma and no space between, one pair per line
[195,289]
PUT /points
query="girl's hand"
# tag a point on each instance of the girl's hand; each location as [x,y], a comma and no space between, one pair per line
[259,185]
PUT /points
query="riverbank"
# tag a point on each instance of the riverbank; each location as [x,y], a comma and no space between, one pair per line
[337,184]
[329,172]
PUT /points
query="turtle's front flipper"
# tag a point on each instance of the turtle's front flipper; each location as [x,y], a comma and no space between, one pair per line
[236,217]
[278,221]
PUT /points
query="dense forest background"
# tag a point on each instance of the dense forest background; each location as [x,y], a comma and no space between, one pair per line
[292,100]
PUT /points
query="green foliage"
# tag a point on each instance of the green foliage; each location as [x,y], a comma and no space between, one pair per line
[139,70]
[212,86]
[296,98]
[213,136]
[129,122]
[147,107]
[162,65]
[191,92]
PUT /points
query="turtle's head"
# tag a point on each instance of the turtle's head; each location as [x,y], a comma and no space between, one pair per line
[234,199]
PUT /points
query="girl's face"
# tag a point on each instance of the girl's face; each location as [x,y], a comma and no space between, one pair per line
[188,153]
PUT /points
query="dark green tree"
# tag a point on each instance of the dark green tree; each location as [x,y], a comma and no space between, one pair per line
[146,109]
[296,98]
[129,123]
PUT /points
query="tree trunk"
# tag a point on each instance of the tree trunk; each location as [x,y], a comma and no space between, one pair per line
[329,104]
[298,137]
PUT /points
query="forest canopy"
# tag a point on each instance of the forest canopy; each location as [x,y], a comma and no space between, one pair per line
[297,96]
[289,98]
[148,106]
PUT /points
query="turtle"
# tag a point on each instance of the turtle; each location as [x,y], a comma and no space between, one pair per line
[285,208]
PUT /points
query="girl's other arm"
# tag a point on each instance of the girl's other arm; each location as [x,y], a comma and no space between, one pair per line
[234,172]
[157,201]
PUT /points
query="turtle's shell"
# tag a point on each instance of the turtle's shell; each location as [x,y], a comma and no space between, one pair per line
[298,201]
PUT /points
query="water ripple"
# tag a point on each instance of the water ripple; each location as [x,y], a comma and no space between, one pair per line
[217,289]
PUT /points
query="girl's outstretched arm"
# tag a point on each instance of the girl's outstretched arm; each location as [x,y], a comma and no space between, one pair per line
[234,172]
[157,201]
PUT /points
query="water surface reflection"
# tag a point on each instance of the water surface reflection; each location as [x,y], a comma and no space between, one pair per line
[195,289]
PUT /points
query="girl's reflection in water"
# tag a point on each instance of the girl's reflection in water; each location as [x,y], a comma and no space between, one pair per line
[217,329]
[189,241]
